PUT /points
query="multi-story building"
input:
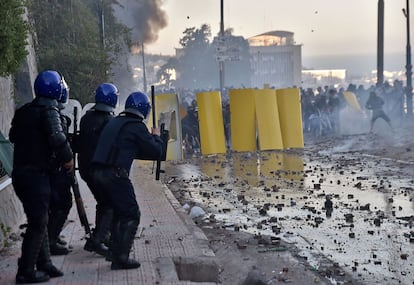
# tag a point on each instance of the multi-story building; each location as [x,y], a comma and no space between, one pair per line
[276,60]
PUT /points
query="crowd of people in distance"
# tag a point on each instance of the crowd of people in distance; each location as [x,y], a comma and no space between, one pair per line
[321,109]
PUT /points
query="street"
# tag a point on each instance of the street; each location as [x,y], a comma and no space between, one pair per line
[367,230]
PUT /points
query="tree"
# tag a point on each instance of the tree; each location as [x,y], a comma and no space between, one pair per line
[196,66]
[238,70]
[194,63]
[68,38]
[13,35]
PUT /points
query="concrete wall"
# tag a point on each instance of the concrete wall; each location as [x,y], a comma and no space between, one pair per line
[14,91]
[6,104]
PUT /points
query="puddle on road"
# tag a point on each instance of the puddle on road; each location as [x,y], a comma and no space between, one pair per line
[368,232]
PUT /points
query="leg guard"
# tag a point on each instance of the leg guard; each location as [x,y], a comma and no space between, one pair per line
[122,245]
[57,220]
[113,236]
[102,229]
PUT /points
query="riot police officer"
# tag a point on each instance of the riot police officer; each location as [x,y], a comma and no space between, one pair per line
[124,139]
[61,196]
[37,134]
[91,125]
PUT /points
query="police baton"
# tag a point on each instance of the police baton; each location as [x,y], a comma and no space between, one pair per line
[79,205]
[158,169]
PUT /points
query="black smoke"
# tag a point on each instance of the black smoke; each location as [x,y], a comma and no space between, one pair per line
[145,18]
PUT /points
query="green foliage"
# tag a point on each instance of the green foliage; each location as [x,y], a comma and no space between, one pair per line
[196,66]
[13,34]
[6,231]
[69,39]
[196,37]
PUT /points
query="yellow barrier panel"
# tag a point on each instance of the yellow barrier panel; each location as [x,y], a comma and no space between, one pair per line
[352,100]
[210,117]
[290,115]
[267,116]
[242,118]
[168,103]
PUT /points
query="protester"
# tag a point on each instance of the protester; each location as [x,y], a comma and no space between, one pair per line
[190,130]
[61,195]
[91,126]
[124,139]
[38,138]
[375,103]
[334,107]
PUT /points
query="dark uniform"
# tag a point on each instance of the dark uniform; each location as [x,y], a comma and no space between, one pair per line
[37,134]
[61,200]
[124,139]
[91,126]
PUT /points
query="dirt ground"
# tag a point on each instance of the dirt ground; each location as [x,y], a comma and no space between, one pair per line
[252,259]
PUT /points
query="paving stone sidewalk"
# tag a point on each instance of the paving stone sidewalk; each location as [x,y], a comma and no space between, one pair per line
[169,246]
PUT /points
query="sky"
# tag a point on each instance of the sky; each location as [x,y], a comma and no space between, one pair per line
[322,27]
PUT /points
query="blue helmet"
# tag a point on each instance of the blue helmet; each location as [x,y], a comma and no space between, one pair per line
[48,84]
[139,104]
[106,95]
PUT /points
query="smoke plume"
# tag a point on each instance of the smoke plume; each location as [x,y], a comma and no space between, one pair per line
[144,17]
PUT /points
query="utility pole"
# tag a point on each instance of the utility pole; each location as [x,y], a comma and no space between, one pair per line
[101,16]
[408,66]
[144,74]
[380,44]
[221,62]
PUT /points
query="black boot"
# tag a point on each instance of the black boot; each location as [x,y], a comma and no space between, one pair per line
[57,220]
[96,242]
[26,272]
[122,245]
[58,249]
[34,276]
[44,263]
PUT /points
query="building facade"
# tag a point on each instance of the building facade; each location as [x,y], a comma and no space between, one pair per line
[276,60]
